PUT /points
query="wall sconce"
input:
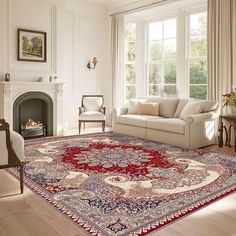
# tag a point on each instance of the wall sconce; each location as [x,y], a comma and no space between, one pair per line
[94,62]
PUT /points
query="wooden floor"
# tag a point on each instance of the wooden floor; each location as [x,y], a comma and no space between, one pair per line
[30,215]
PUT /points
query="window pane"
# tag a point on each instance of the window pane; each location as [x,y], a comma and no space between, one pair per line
[130,73]
[170,90]
[170,73]
[130,91]
[130,32]
[170,49]
[130,51]
[198,72]
[170,28]
[198,24]
[155,31]
[155,51]
[154,90]
[154,74]
[198,91]
[198,46]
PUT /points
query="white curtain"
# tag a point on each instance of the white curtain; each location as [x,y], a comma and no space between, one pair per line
[117,61]
[221,47]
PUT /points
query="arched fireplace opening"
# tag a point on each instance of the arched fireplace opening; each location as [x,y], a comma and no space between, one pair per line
[33,115]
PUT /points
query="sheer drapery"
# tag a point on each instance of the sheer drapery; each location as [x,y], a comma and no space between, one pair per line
[221,47]
[117,48]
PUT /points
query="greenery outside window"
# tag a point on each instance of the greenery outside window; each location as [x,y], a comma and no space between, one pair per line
[130,83]
[197,62]
[162,58]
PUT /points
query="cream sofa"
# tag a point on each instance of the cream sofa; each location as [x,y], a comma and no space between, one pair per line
[185,123]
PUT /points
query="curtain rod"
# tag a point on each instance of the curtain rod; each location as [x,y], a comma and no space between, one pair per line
[138,8]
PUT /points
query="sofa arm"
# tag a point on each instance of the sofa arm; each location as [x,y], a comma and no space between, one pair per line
[198,118]
[117,112]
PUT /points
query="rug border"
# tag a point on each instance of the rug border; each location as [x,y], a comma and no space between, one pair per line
[143,230]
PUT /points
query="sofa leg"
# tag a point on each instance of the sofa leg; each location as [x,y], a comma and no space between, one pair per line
[103,126]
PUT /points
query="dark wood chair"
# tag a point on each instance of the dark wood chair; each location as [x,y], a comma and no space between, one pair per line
[12,150]
[92,110]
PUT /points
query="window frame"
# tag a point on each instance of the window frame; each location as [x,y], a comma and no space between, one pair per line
[163,61]
[181,14]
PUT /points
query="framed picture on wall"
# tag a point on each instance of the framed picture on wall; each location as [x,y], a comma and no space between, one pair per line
[32,45]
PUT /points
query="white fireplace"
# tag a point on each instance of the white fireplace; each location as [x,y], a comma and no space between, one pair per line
[10,91]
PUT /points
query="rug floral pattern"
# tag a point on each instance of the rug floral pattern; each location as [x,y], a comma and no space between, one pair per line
[112,184]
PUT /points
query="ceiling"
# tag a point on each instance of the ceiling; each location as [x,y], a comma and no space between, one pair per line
[111,4]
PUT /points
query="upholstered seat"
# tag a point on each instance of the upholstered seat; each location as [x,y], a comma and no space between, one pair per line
[12,149]
[92,110]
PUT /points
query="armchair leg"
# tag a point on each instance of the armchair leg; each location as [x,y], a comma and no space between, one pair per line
[21,178]
[103,126]
[79,126]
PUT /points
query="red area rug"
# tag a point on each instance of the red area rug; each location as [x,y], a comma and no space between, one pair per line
[111,184]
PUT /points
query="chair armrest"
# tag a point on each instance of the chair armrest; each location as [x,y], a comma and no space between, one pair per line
[17,143]
[81,110]
[103,110]
[198,118]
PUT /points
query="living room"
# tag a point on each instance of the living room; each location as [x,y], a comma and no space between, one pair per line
[165,52]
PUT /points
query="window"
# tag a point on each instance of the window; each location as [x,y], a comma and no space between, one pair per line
[166,52]
[197,55]
[130,85]
[162,57]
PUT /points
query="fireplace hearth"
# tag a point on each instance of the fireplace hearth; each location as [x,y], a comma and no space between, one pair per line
[33,129]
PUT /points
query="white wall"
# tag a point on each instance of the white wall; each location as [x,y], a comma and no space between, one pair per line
[75,34]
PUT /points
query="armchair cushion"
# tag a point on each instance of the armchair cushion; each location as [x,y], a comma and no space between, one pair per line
[4,152]
[92,115]
[92,103]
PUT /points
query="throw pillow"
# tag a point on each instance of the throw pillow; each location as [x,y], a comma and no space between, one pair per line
[190,108]
[145,108]
[133,105]
[180,107]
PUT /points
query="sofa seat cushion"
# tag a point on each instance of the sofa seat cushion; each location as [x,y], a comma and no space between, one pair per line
[135,120]
[173,125]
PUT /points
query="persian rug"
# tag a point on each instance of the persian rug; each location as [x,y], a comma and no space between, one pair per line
[111,184]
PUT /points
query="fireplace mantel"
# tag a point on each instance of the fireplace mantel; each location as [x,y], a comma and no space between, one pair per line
[10,91]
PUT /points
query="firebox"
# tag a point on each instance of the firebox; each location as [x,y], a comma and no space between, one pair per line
[33,115]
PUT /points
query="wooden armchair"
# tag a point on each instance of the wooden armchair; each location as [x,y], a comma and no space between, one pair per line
[12,149]
[92,110]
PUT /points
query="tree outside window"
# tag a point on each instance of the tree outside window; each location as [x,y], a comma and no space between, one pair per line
[198,56]
[162,57]
[130,61]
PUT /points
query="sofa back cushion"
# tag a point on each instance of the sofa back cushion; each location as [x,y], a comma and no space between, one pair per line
[167,107]
[209,105]
[147,108]
[191,108]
